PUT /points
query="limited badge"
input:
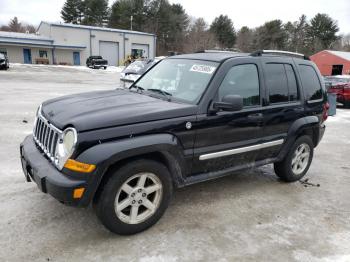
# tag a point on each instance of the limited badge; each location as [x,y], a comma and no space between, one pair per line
[188,125]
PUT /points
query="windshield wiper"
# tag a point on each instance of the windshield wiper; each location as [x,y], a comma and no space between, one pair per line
[138,88]
[162,92]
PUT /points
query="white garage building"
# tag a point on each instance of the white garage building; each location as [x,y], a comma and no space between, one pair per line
[57,43]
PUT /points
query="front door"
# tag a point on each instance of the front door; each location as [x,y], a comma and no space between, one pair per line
[27,55]
[76,58]
[231,139]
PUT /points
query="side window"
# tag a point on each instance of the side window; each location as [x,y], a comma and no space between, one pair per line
[43,53]
[292,83]
[242,80]
[276,81]
[311,83]
[3,51]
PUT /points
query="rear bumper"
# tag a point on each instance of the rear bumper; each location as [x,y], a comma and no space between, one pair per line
[321,133]
[38,169]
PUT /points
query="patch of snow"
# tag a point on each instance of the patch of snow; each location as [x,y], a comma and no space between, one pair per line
[114,69]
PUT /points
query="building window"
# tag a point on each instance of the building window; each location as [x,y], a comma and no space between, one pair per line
[137,53]
[3,51]
[43,53]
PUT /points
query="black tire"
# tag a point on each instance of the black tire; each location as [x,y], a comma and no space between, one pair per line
[105,67]
[105,203]
[284,169]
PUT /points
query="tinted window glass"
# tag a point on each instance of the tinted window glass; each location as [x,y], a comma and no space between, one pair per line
[292,83]
[311,83]
[242,80]
[276,81]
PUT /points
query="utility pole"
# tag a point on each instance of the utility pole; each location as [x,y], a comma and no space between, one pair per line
[131,18]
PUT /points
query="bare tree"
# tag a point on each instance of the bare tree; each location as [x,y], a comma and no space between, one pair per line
[15,26]
[199,37]
[244,39]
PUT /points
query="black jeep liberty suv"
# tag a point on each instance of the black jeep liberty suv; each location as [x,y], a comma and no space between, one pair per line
[189,119]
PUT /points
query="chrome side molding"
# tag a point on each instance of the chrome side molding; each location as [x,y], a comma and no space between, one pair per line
[240,150]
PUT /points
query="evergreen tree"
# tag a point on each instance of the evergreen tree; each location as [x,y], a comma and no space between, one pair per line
[72,11]
[270,36]
[223,29]
[15,26]
[122,10]
[96,12]
[322,32]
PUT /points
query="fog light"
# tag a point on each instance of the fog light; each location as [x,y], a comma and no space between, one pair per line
[78,192]
[78,166]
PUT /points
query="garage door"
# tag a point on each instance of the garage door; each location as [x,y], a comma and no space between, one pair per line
[140,50]
[110,51]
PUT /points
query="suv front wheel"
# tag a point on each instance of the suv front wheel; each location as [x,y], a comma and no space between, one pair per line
[135,197]
[297,162]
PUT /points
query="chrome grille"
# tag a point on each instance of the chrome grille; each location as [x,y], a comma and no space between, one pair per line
[46,136]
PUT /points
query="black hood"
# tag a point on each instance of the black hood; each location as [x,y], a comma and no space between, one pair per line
[101,109]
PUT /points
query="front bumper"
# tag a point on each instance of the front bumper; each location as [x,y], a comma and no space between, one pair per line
[37,168]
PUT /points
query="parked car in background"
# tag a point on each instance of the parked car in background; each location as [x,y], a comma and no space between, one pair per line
[136,69]
[339,85]
[188,119]
[96,62]
[4,62]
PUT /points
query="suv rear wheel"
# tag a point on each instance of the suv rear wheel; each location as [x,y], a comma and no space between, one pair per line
[297,162]
[135,197]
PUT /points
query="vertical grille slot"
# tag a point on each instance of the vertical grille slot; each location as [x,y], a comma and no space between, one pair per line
[46,136]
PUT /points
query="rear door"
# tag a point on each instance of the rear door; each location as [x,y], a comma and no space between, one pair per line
[283,101]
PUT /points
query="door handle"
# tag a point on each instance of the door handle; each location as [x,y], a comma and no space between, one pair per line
[256,117]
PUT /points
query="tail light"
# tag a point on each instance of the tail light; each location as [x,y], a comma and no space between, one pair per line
[325,111]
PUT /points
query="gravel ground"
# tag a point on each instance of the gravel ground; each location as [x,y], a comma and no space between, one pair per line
[249,216]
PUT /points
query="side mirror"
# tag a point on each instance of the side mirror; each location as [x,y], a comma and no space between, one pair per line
[229,103]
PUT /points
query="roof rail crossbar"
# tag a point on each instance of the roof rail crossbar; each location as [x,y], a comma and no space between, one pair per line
[279,52]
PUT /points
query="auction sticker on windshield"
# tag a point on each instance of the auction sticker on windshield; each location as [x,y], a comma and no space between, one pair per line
[203,69]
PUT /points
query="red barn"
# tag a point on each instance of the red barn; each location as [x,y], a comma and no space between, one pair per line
[332,62]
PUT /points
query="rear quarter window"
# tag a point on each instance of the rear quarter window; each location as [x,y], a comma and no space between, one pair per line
[311,84]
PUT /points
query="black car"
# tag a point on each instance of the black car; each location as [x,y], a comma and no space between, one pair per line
[189,119]
[4,62]
[96,62]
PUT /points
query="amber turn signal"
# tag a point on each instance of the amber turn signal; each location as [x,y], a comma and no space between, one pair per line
[78,192]
[78,166]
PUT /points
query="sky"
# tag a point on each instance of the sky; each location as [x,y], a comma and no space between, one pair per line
[243,13]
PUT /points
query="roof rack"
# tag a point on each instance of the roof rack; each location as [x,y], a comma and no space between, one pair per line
[216,51]
[279,52]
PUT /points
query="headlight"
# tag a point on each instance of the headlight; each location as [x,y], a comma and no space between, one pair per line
[65,146]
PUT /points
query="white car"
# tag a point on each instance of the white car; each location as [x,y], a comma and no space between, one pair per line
[136,69]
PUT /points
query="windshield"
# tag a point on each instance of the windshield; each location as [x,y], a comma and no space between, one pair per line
[182,79]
